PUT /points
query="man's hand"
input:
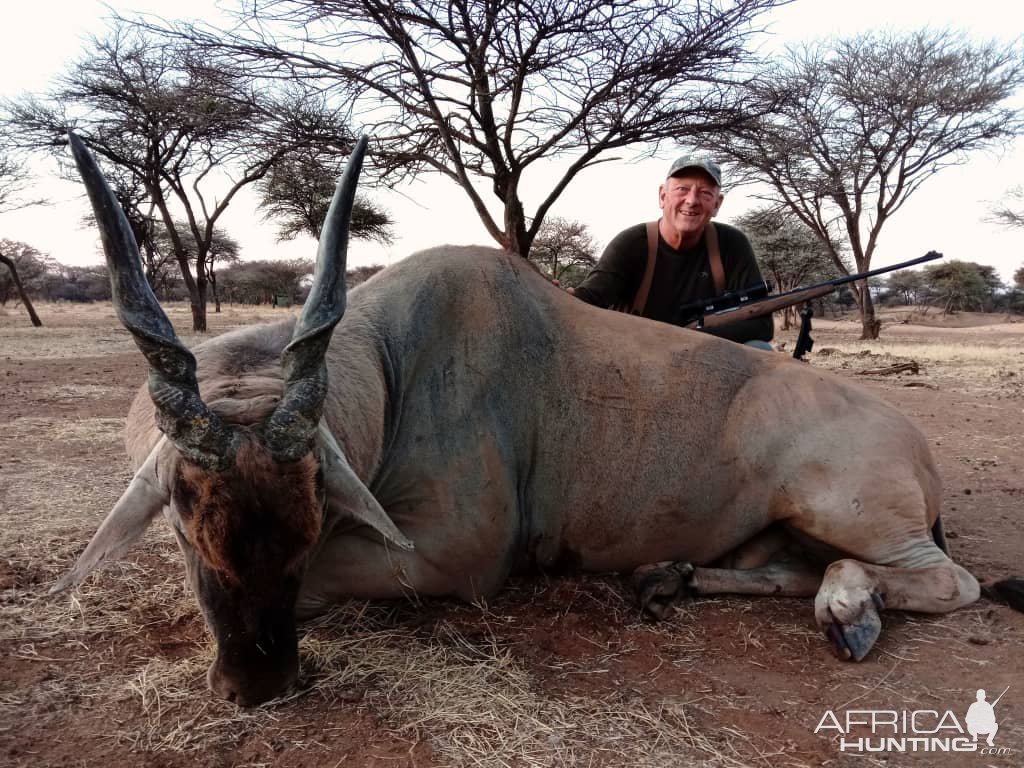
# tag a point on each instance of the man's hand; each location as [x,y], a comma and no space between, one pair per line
[558,284]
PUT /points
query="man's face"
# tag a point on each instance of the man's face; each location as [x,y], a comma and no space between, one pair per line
[688,201]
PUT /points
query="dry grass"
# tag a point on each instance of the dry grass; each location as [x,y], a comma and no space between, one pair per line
[472,700]
[966,353]
[92,330]
[976,360]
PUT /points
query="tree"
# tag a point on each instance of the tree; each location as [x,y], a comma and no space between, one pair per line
[25,267]
[908,284]
[221,250]
[192,132]
[564,250]
[788,252]
[140,211]
[263,282]
[12,269]
[993,285]
[850,129]
[1015,299]
[298,190]
[13,180]
[1010,214]
[357,275]
[958,285]
[481,91]
[66,283]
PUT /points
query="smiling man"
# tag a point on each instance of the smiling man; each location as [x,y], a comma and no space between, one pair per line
[657,269]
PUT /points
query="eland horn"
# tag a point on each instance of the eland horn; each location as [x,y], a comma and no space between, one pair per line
[292,427]
[181,414]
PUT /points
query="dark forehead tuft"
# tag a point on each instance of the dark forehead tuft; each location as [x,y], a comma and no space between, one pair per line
[255,519]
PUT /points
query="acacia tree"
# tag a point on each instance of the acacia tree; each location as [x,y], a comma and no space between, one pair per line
[13,180]
[564,250]
[1010,212]
[25,267]
[858,125]
[788,252]
[481,91]
[359,275]
[262,282]
[68,283]
[1015,300]
[961,285]
[191,132]
[298,190]
[222,250]
[140,211]
[908,284]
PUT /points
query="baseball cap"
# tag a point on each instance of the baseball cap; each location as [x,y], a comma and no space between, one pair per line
[702,162]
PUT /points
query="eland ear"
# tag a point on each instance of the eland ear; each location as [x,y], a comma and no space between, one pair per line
[145,496]
[347,495]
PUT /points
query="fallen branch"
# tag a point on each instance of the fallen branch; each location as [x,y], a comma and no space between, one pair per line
[910,367]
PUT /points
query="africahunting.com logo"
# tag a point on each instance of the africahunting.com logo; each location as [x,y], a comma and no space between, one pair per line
[918,730]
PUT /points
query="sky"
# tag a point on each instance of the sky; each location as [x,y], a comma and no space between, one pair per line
[947,214]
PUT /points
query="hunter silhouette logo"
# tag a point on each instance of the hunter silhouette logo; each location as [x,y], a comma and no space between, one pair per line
[918,730]
[981,717]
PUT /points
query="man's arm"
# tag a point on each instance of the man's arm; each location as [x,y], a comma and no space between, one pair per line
[614,279]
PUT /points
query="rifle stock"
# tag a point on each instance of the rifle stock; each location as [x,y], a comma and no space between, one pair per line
[769,304]
[761,307]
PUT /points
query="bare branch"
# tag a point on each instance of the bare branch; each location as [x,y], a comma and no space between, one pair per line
[475,89]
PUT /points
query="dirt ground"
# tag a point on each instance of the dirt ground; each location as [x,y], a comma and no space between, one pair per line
[552,672]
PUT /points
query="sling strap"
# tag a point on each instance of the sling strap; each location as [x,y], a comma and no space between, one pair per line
[715,258]
[714,262]
[640,300]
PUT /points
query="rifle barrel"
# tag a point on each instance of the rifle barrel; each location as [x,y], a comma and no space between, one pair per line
[779,301]
[930,256]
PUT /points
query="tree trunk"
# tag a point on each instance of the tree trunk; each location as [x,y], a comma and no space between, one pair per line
[21,291]
[196,293]
[197,303]
[517,238]
[196,287]
[870,327]
[197,299]
[788,318]
[216,295]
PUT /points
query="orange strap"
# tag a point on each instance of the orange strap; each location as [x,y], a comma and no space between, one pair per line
[715,258]
[640,300]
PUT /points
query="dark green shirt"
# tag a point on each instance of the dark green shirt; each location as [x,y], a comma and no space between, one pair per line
[680,277]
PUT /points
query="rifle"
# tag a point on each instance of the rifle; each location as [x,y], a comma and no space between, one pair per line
[993,705]
[757,300]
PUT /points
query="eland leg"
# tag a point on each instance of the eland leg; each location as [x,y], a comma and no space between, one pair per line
[852,593]
[660,587]
[760,566]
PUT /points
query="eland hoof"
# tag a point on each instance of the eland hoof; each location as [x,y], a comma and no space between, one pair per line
[660,587]
[852,639]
